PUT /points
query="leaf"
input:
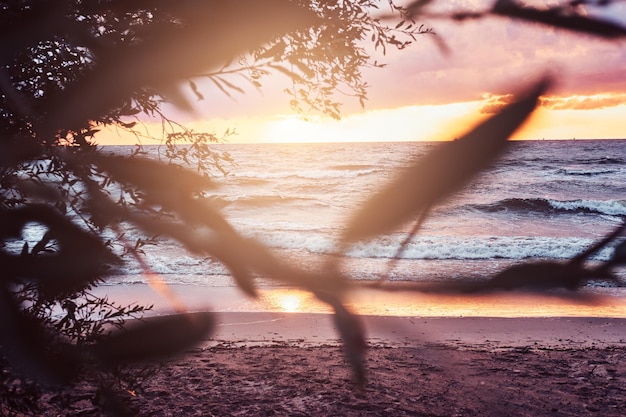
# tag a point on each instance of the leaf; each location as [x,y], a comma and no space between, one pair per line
[584,255]
[155,337]
[619,255]
[152,176]
[218,84]
[172,94]
[288,73]
[26,345]
[540,276]
[415,8]
[557,18]
[440,173]
[76,265]
[195,90]
[275,51]
[352,334]
[230,85]
[227,246]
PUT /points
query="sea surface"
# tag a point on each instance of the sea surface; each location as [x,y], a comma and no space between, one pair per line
[541,200]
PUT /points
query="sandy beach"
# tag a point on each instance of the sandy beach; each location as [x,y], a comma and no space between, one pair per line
[424,379]
[292,365]
[261,363]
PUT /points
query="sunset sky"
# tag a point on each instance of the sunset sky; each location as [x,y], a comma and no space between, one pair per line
[424,94]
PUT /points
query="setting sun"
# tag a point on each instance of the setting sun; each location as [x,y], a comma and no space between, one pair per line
[289,303]
[410,123]
[293,128]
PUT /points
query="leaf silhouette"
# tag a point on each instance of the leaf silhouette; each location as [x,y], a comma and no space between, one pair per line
[171,186]
[557,18]
[77,264]
[352,334]
[415,8]
[538,276]
[619,256]
[442,172]
[584,255]
[225,245]
[25,343]
[153,176]
[155,337]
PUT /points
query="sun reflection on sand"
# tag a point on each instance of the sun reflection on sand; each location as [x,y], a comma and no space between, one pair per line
[589,303]
[288,300]
[597,302]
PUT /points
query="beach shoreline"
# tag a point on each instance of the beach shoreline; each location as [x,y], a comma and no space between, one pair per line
[261,360]
[588,302]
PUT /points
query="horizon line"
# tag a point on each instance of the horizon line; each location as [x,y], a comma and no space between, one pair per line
[295,142]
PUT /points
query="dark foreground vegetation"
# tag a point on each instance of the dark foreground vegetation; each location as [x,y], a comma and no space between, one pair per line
[71,67]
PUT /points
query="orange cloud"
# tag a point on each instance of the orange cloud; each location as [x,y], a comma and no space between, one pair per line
[495,103]
[599,101]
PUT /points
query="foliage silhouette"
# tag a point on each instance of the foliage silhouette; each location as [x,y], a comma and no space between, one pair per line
[70,67]
[84,65]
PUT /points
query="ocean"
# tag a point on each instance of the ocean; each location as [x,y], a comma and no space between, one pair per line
[541,200]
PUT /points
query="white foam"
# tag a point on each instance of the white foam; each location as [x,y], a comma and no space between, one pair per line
[610,207]
[443,247]
[495,247]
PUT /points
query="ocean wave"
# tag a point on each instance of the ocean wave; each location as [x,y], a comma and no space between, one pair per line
[130,279]
[352,167]
[246,181]
[269,227]
[172,261]
[586,172]
[549,206]
[607,160]
[444,247]
[480,248]
[270,200]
